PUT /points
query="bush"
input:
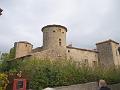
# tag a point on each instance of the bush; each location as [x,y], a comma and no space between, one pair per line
[49,73]
[3,81]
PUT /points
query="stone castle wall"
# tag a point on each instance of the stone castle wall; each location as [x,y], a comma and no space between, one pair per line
[83,56]
[48,54]
[54,36]
[22,49]
[54,47]
[116,54]
[108,53]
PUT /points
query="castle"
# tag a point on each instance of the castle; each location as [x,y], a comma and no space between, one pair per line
[54,46]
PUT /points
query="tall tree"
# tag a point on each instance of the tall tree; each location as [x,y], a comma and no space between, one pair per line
[5,56]
[1,11]
[12,53]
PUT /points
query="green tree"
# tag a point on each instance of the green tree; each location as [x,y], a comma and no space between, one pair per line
[5,57]
[8,56]
[12,53]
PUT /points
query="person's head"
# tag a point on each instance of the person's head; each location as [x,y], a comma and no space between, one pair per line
[102,83]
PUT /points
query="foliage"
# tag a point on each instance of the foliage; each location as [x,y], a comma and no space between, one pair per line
[8,56]
[50,73]
[12,53]
[3,81]
[5,57]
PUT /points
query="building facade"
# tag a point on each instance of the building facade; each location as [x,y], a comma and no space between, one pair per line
[55,47]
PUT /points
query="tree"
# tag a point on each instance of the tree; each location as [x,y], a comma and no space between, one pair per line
[12,53]
[1,11]
[8,56]
[4,56]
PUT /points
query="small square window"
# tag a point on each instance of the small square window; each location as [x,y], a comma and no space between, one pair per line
[59,39]
[94,63]
[59,30]
[59,43]
[68,50]
[54,31]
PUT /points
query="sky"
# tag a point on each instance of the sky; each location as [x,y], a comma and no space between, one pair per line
[87,21]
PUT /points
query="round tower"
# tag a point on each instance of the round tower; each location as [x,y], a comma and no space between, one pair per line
[54,36]
[22,48]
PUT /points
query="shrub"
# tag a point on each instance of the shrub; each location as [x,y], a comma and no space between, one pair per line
[50,73]
[3,81]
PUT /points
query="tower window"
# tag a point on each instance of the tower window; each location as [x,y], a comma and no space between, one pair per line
[26,45]
[59,43]
[54,31]
[59,30]
[59,39]
[63,32]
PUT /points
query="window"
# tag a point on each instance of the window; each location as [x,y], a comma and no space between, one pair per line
[68,50]
[26,45]
[63,32]
[94,63]
[54,31]
[85,62]
[59,30]
[59,39]
[59,43]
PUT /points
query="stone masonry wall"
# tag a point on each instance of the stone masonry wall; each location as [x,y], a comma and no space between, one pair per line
[87,86]
[116,55]
[49,54]
[54,36]
[105,54]
[83,56]
[22,49]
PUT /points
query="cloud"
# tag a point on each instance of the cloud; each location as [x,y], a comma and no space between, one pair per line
[88,21]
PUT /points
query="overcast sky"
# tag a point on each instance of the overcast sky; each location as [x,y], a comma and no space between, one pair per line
[88,21]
